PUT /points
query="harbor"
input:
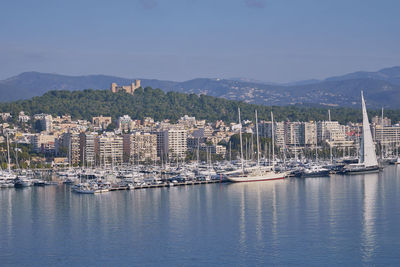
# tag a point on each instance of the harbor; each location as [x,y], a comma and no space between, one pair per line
[86,180]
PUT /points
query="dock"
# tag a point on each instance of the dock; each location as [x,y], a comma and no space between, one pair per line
[179,184]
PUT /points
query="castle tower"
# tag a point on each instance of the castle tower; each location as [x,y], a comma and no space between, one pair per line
[114,87]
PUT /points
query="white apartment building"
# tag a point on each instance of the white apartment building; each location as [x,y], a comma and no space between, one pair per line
[330,131]
[172,142]
[110,149]
[88,149]
[140,146]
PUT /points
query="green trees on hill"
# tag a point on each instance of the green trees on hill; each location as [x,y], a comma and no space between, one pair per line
[155,103]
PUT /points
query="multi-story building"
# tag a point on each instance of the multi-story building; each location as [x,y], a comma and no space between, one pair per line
[43,143]
[187,121]
[71,143]
[110,149]
[280,130]
[295,134]
[330,131]
[387,134]
[265,129]
[203,132]
[214,149]
[101,122]
[140,147]
[310,133]
[377,120]
[172,142]
[125,123]
[45,121]
[88,148]
[5,116]
[22,117]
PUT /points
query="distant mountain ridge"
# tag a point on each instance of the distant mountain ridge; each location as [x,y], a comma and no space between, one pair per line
[382,88]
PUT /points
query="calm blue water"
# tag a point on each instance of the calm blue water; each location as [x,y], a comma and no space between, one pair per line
[315,221]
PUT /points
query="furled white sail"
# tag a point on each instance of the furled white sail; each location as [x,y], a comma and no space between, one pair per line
[368,154]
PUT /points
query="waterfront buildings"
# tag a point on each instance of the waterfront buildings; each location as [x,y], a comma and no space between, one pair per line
[110,148]
[89,148]
[69,145]
[139,146]
[95,143]
[172,143]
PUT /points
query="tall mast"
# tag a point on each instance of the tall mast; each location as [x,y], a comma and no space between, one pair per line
[273,141]
[330,137]
[241,141]
[8,154]
[382,134]
[230,151]
[258,144]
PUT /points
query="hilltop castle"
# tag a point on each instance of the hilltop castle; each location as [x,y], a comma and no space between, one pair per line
[130,89]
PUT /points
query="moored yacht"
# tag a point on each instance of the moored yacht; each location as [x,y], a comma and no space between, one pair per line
[22,181]
[315,171]
[257,173]
[367,162]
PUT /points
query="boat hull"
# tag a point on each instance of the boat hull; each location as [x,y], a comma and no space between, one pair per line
[316,174]
[362,170]
[256,178]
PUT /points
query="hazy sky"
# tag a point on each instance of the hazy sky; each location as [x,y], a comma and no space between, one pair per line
[268,40]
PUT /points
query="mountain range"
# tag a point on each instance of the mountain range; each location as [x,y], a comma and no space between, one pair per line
[381,88]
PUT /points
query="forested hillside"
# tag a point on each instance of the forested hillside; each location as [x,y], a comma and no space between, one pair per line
[172,105]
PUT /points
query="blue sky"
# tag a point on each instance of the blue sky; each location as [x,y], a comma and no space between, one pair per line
[268,40]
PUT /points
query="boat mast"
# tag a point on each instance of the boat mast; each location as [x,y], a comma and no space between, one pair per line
[241,141]
[330,137]
[258,144]
[8,154]
[273,141]
[382,134]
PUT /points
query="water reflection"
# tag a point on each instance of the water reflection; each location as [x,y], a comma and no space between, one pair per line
[258,215]
[342,219]
[368,245]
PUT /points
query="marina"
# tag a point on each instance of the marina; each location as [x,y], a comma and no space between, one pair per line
[86,180]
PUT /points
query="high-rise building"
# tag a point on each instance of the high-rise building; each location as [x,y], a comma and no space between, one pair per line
[280,133]
[310,133]
[330,131]
[172,142]
[88,149]
[295,133]
[70,143]
[388,134]
[110,148]
[140,147]
[45,121]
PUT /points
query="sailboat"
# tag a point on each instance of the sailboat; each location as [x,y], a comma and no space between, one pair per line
[367,162]
[256,173]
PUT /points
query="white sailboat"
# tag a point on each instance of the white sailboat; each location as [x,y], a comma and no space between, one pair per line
[257,173]
[367,162]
